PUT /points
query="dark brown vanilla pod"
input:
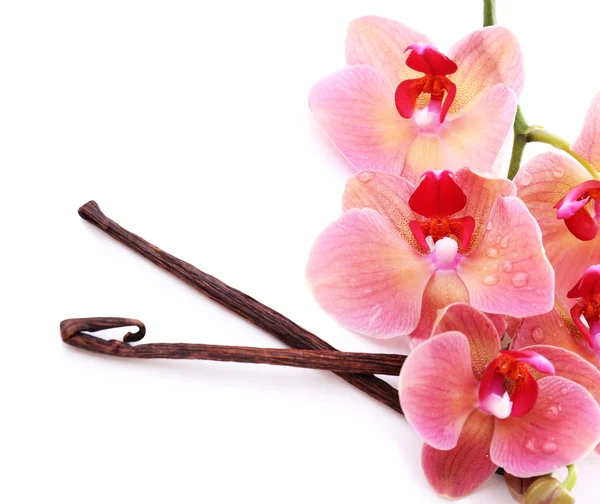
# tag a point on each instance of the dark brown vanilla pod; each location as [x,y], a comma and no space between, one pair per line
[273,322]
[74,332]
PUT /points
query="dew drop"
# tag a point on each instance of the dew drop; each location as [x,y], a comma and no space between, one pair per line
[365,176]
[549,447]
[514,256]
[530,445]
[537,334]
[560,322]
[558,172]
[493,252]
[552,412]
[564,390]
[490,280]
[507,266]
[525,179]
[520,279]
[504,242]
[489,226]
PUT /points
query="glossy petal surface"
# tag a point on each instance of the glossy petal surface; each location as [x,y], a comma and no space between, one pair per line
[366,276]
[587,144]
[508,273]
[438,373]
[550,435]
[463,469]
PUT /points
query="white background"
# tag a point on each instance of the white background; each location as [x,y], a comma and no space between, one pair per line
[188,123]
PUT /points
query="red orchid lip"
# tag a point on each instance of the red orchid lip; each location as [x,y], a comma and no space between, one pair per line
[572,208]
[436,66]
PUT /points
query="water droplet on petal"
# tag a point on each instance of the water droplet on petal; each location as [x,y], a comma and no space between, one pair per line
[524,179]
[552,412]
[520,279]
[489,226]
[530,445]
[490,280]
[514,256]
[504,242]
[557,172]
[549,447]
[564,390]
[560,322]
[493,252]
[537,334]
[365,177]
[507,266]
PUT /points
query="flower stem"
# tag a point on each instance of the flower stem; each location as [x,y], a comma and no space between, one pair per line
[72,332]
[544,136]
[489,12]
[238,302]
[571,478]
[520,141]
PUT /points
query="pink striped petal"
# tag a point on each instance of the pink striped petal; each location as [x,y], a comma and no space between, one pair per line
[482,194]
[541,183]
[438,390]
[382,43]
[444,288]
[484,341]
[385,193]
[562,427]
[474,138]
[486,57]
[554,328]
[587,144]
[366,276]
[463,469]
[508,273]
[571,366]
[355,107]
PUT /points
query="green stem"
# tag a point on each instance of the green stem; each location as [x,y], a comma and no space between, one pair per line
[543,136]
[489,12]
[520,128]
[571,478]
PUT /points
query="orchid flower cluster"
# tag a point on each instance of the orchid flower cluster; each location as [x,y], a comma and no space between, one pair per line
[495,282]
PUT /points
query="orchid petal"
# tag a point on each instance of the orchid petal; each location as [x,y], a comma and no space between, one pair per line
[484,58]
[535,360]
[587,144]
[541,183]
[463,469]
[556,329]
[366,276]
[588,285]
[385,193]
[355,108]
[483,192]
[474,138]
[424,154]
[444,288]
[550,436]
[437,389]
[382,43]
[484,342]
[571,366]
[508,272]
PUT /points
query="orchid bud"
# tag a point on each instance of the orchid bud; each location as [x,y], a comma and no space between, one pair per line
[541,490]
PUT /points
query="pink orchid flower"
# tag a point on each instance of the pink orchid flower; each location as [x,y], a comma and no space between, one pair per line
[402,105]
[398,254]
[477,407]
[564,199]
[577,329]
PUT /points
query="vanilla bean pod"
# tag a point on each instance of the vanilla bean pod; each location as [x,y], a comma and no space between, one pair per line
[247,307]
[74,332]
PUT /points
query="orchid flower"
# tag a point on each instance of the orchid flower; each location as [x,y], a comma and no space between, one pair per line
[564,199]
[402,105]
[398,254]
[577,329]
[477,407]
